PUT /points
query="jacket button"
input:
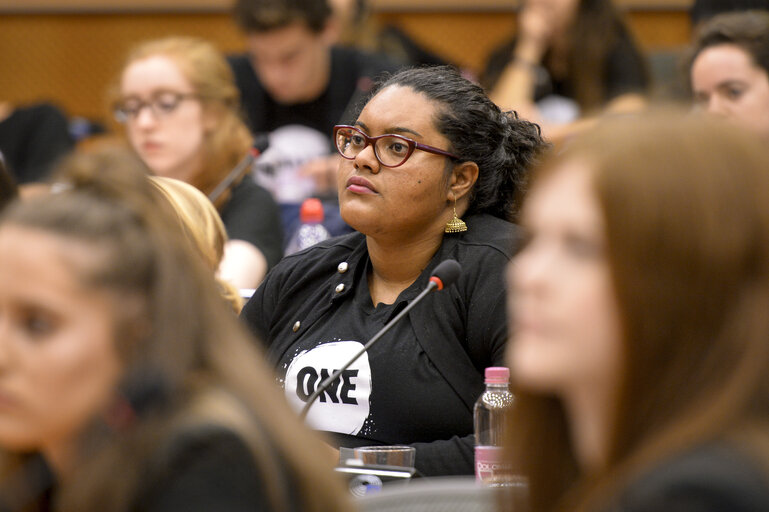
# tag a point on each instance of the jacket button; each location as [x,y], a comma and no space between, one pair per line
[296,326]
[339,288]
[342,268]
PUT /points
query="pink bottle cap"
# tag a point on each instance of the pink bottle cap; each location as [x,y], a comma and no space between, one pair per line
[497,375]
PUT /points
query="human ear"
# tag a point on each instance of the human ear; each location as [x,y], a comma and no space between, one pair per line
[463,178]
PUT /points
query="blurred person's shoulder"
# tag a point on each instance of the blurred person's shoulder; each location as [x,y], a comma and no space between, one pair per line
[712,477]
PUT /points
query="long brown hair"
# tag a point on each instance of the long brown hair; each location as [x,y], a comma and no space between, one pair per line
[180,331]
[686,206]
[597,27]
[212,80]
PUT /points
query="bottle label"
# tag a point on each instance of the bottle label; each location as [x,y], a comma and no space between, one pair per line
[490,466]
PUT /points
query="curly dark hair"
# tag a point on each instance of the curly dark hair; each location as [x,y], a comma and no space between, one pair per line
[266,15]
[502,145]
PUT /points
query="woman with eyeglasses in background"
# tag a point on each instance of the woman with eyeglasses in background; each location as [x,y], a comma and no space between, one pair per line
[179,104]
[429,172]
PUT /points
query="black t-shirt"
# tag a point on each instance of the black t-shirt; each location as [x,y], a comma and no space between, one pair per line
[32,139]
[352,75]
[625,70]
[252,215]
[419,383]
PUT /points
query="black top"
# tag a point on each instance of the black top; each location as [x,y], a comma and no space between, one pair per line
[202,470]
[625,70]
[712,478]
[32,139]
[352,75]
[251,214]
[419,383]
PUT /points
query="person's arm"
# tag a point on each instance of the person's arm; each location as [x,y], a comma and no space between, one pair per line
[453,456]
[625,104]
[253,224]
[243,265]
[516,85]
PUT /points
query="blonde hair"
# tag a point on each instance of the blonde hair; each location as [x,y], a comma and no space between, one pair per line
[212,80]
[202,226]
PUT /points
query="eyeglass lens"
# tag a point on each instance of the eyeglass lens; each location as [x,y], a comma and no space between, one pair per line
[160,104]
[391,150]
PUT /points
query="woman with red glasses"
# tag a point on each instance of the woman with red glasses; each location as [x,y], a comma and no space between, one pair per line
[430,171]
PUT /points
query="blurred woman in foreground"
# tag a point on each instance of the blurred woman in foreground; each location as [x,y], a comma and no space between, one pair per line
[639,341]
[126,383]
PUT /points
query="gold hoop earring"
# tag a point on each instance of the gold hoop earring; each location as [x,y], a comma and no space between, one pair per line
[455,225]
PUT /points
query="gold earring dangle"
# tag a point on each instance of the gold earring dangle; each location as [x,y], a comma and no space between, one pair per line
[455,225]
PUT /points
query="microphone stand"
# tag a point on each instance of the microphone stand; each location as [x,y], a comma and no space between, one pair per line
[323,386]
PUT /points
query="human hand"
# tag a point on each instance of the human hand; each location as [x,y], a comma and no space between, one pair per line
[535,29]
[323,172]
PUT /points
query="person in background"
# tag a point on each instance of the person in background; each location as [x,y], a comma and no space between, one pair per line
[127,384]
[638,336]
[357,27]
[430,170]
[729,69]
[8,188]
[32,138]
[569,60]
[702,11]
[179,104]
[296,84]
[202,225]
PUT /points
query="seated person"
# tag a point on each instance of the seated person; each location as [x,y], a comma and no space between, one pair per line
[702,11]
[179,104]
[296,85]
[127,383]
[202,225]
[639,331]
[427,149]
[32,138]
[356,27]
[569,60]
[8,188]
[729,69]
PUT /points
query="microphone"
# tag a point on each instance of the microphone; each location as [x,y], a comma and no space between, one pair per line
[260,145]
[444,275]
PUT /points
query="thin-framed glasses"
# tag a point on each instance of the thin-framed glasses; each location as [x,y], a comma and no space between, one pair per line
[161,104]
[390,150]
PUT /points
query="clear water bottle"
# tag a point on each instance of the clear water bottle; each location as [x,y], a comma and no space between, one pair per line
[489,415]
[311,230]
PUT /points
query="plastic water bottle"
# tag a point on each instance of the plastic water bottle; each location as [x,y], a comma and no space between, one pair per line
[311,230]
[489,415]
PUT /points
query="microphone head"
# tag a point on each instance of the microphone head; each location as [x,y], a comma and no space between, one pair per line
[260,144]
[446,273]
